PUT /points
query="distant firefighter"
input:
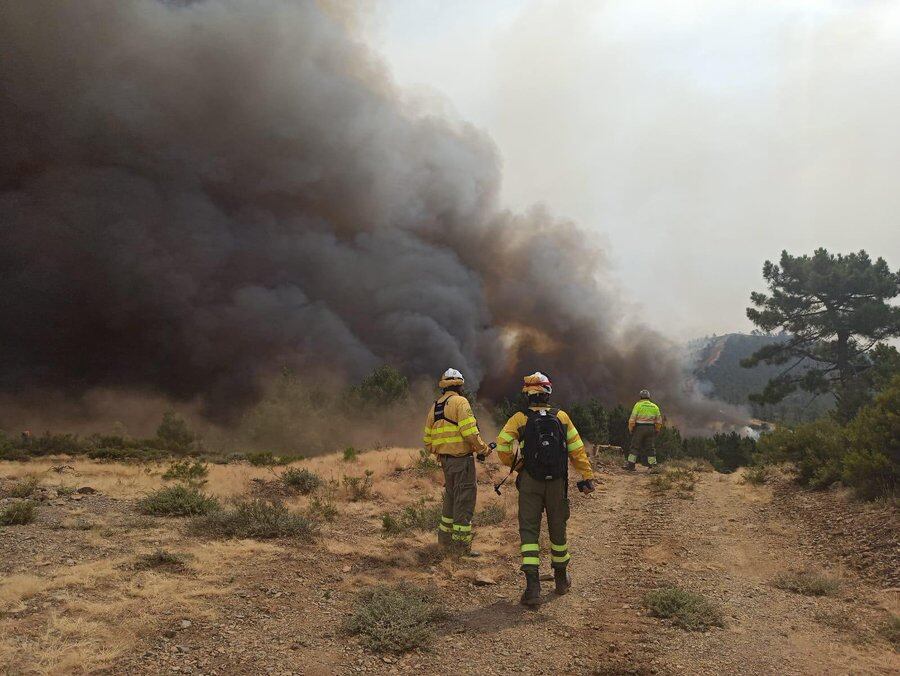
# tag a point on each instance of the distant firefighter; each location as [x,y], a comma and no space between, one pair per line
[451,433]
[548,442]
[644,424]
[26,438]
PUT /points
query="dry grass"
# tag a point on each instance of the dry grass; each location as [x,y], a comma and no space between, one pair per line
[85,617]
[101,609]
[808,583]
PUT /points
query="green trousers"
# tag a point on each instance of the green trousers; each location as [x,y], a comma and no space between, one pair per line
[459,500]
[642,444]
[535,497]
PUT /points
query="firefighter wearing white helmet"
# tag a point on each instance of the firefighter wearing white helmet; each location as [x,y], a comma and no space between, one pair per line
[451,433]
[547,443]
[644,424]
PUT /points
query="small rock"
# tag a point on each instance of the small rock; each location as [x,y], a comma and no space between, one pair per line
[482,580]
[185,624]
[346,569]
[86,490]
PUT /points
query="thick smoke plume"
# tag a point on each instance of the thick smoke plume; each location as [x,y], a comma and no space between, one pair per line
[193,195]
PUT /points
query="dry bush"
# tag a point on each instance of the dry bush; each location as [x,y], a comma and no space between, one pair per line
[394,619]
[491,515]
[679,478]
[17,513]
[321,509]
[177,500]
[301,480]
[359,488]
[24,488]
[687,610]
[890,631]
[426,463]
[256,519]
[757,475]
[420,516]
[807,583]
[161,559]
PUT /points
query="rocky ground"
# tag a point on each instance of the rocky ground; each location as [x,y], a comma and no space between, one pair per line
[72,598]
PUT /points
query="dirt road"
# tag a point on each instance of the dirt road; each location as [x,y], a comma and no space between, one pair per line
[277,608]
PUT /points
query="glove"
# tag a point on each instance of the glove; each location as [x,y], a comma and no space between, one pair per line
[481,457]
[586,486]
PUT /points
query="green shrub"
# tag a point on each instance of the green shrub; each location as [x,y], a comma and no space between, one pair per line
[872,467]
[350,454]
[13,454]
[17,513]
[143,454]
[426,463]
[491,515]
[359,487]
[56,444]
[590,419]
[391,525]
[686,609]
[815,449]
[679,478]
[384,387]
[173,433]
[871,474]
[24,488]
[756,475]
[191,472]
[419,516]
[321,509]
[301,480]
[256,519]
[180,500]
[807,583]
[394,619]
[265,459]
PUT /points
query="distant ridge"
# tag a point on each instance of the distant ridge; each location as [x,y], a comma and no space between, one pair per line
[717,361]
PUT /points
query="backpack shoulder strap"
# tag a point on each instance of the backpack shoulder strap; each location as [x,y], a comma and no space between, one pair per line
[439,409]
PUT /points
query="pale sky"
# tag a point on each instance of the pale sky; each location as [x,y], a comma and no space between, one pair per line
[696,138]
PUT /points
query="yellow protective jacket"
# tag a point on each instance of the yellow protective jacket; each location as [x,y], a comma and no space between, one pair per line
[457,434]
[515,427]
[645,412]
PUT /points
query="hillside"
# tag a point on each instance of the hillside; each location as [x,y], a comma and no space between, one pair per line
[82,591]
[717,361]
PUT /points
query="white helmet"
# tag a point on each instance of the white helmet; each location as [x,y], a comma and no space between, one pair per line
[451,378]
[537,383]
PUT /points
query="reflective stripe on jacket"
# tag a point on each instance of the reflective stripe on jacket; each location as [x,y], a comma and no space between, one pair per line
[458,435]
[645,412]
[516,425]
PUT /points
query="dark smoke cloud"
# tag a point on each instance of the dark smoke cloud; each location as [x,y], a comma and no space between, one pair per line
[195,194]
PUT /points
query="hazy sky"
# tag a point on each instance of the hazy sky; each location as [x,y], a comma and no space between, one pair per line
[696,138]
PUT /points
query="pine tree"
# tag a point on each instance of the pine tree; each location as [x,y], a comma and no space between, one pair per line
[834,311]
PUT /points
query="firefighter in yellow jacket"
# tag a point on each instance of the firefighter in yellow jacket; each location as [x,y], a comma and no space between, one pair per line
[547,443]
[451,433]
[644,424]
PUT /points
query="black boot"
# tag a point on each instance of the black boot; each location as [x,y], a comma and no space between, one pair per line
[629,466]
[563,580]
[532,595]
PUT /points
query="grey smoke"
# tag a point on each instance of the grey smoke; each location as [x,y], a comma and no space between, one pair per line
[195,194]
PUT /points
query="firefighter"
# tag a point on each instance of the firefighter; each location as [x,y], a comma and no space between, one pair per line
[547,443]
[644,424]
[451,433]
